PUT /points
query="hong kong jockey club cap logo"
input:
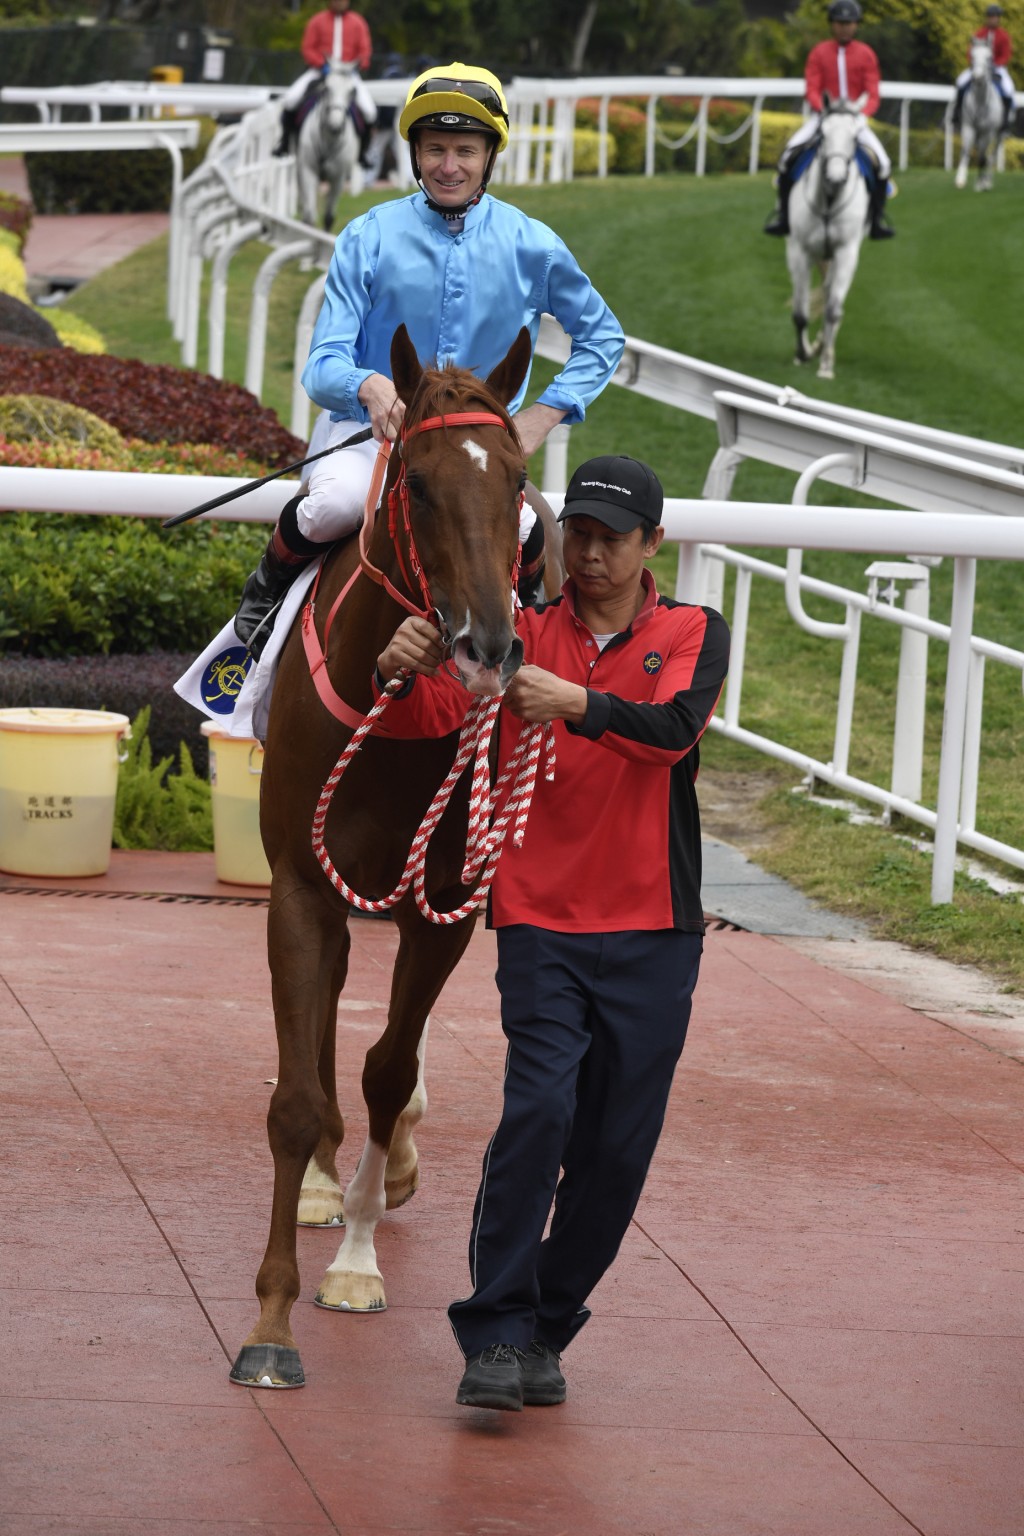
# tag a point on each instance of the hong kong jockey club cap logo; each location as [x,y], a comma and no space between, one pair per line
[652,662]
[223,679]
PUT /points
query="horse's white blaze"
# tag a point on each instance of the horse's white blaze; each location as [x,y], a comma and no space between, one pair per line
[477,454]
[364,1206]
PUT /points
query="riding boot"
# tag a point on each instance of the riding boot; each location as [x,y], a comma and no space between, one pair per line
[285,558]
[288,131]
[778,220]
[880,230]
[532,561]
[365,140]
[956,117]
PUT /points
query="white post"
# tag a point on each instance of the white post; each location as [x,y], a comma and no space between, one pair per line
[602,142]
[257,340]
[972,743]
[847,693]
[738,647]
[303,335]
[755,134]
[652,102]
[556,460]
[689,573]
[904,155]
[702,135]
[954,717]
[217,310]
[911,688]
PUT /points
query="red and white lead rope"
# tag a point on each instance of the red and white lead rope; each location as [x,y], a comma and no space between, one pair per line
[484,841]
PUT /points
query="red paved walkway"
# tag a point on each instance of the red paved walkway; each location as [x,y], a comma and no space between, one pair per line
[814,1329]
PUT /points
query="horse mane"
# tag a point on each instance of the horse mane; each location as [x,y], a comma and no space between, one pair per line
[443,391]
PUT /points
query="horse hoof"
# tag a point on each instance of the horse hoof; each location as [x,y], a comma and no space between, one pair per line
[343,1291]
[398,1191]
[267,1365]
[321,1208]
[826,373]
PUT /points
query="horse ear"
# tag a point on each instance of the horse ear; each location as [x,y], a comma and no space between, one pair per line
[505,380]
[406,372]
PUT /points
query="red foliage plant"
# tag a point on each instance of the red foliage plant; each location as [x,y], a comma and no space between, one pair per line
[154,401]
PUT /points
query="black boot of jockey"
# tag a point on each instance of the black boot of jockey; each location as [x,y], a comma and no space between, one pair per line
[531,566]
[285,558]
[956,116]
[878,193]
[289,131]
[778,220]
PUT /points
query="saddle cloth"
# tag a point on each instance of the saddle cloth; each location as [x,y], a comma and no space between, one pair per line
[805,157]
[224,682]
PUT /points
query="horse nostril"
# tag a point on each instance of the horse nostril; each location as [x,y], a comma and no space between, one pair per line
[471,654]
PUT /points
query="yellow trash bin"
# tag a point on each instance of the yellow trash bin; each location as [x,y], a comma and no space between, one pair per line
[58,784]
[167,74]
[236,763]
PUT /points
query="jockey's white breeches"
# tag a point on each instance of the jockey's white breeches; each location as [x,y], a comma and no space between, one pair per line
[1004,80]
[866,137]
[336,487]
[294,94]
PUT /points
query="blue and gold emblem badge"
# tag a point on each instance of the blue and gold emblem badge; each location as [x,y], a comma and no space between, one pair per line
[223,679]
[652,662]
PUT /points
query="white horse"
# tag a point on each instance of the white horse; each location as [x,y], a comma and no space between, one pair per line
[328,148]
[982,119]
[828,218]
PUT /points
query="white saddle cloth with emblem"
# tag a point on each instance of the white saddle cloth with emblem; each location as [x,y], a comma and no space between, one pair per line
[225,683]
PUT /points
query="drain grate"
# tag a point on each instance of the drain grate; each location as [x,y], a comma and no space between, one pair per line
[714,924]
[194,901]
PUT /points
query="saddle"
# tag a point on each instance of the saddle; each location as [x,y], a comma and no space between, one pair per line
[865,160]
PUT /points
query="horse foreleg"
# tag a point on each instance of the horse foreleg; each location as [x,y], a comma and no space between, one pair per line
[966,145]
[395,1100]
[840,276]
[320,1199]
[800,276]
[308,947]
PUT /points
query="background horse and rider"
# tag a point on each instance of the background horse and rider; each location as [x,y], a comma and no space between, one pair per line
[828,219]
[981,119]
[448,548]
[328,145]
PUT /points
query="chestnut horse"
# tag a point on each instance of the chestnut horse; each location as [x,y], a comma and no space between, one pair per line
[464,480]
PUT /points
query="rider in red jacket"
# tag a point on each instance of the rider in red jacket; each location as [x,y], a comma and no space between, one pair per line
[998,39]
[843,69]
[335,33]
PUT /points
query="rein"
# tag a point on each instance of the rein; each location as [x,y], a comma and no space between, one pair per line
[483,847]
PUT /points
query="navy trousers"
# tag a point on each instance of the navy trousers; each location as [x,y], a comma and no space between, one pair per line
[595,1025]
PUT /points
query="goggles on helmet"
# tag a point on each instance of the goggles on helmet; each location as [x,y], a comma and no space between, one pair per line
[476,90]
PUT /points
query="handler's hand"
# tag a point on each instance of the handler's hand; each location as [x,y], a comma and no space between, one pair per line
[415,645]
[538,696]
[386,410]
[534,423]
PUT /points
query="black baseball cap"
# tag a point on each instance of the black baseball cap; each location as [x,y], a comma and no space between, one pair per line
[616,490]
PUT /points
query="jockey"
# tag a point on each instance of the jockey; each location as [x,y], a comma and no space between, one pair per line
[339,34]
[998,39]
[845,69]
[464,273]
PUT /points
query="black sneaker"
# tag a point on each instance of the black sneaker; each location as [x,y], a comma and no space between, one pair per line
[543,1382]
[493,1379]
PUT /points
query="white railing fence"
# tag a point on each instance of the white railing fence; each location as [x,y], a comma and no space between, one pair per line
[242,192]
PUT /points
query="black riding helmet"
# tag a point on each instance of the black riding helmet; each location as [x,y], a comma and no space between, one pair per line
[845,10]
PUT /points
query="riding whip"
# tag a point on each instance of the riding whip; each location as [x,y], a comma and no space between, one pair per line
[252,485]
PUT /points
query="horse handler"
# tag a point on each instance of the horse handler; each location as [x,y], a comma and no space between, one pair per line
[598,917]
[463,272]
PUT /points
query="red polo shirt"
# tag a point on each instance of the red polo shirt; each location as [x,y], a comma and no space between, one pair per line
[613,842]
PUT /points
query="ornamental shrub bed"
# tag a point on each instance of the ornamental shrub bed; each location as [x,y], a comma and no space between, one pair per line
[84,586]
[16,216]
[154,401]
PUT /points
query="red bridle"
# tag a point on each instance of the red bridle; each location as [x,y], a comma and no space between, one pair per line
[398,502]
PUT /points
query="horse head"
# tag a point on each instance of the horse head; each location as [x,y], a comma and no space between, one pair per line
[981,60]
[338,85]
[841,121]
[464,482]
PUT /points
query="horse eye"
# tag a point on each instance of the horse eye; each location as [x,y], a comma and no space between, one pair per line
[522,481]
[417,486]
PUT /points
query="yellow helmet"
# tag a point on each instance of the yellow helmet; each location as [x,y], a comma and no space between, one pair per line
[454,98]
